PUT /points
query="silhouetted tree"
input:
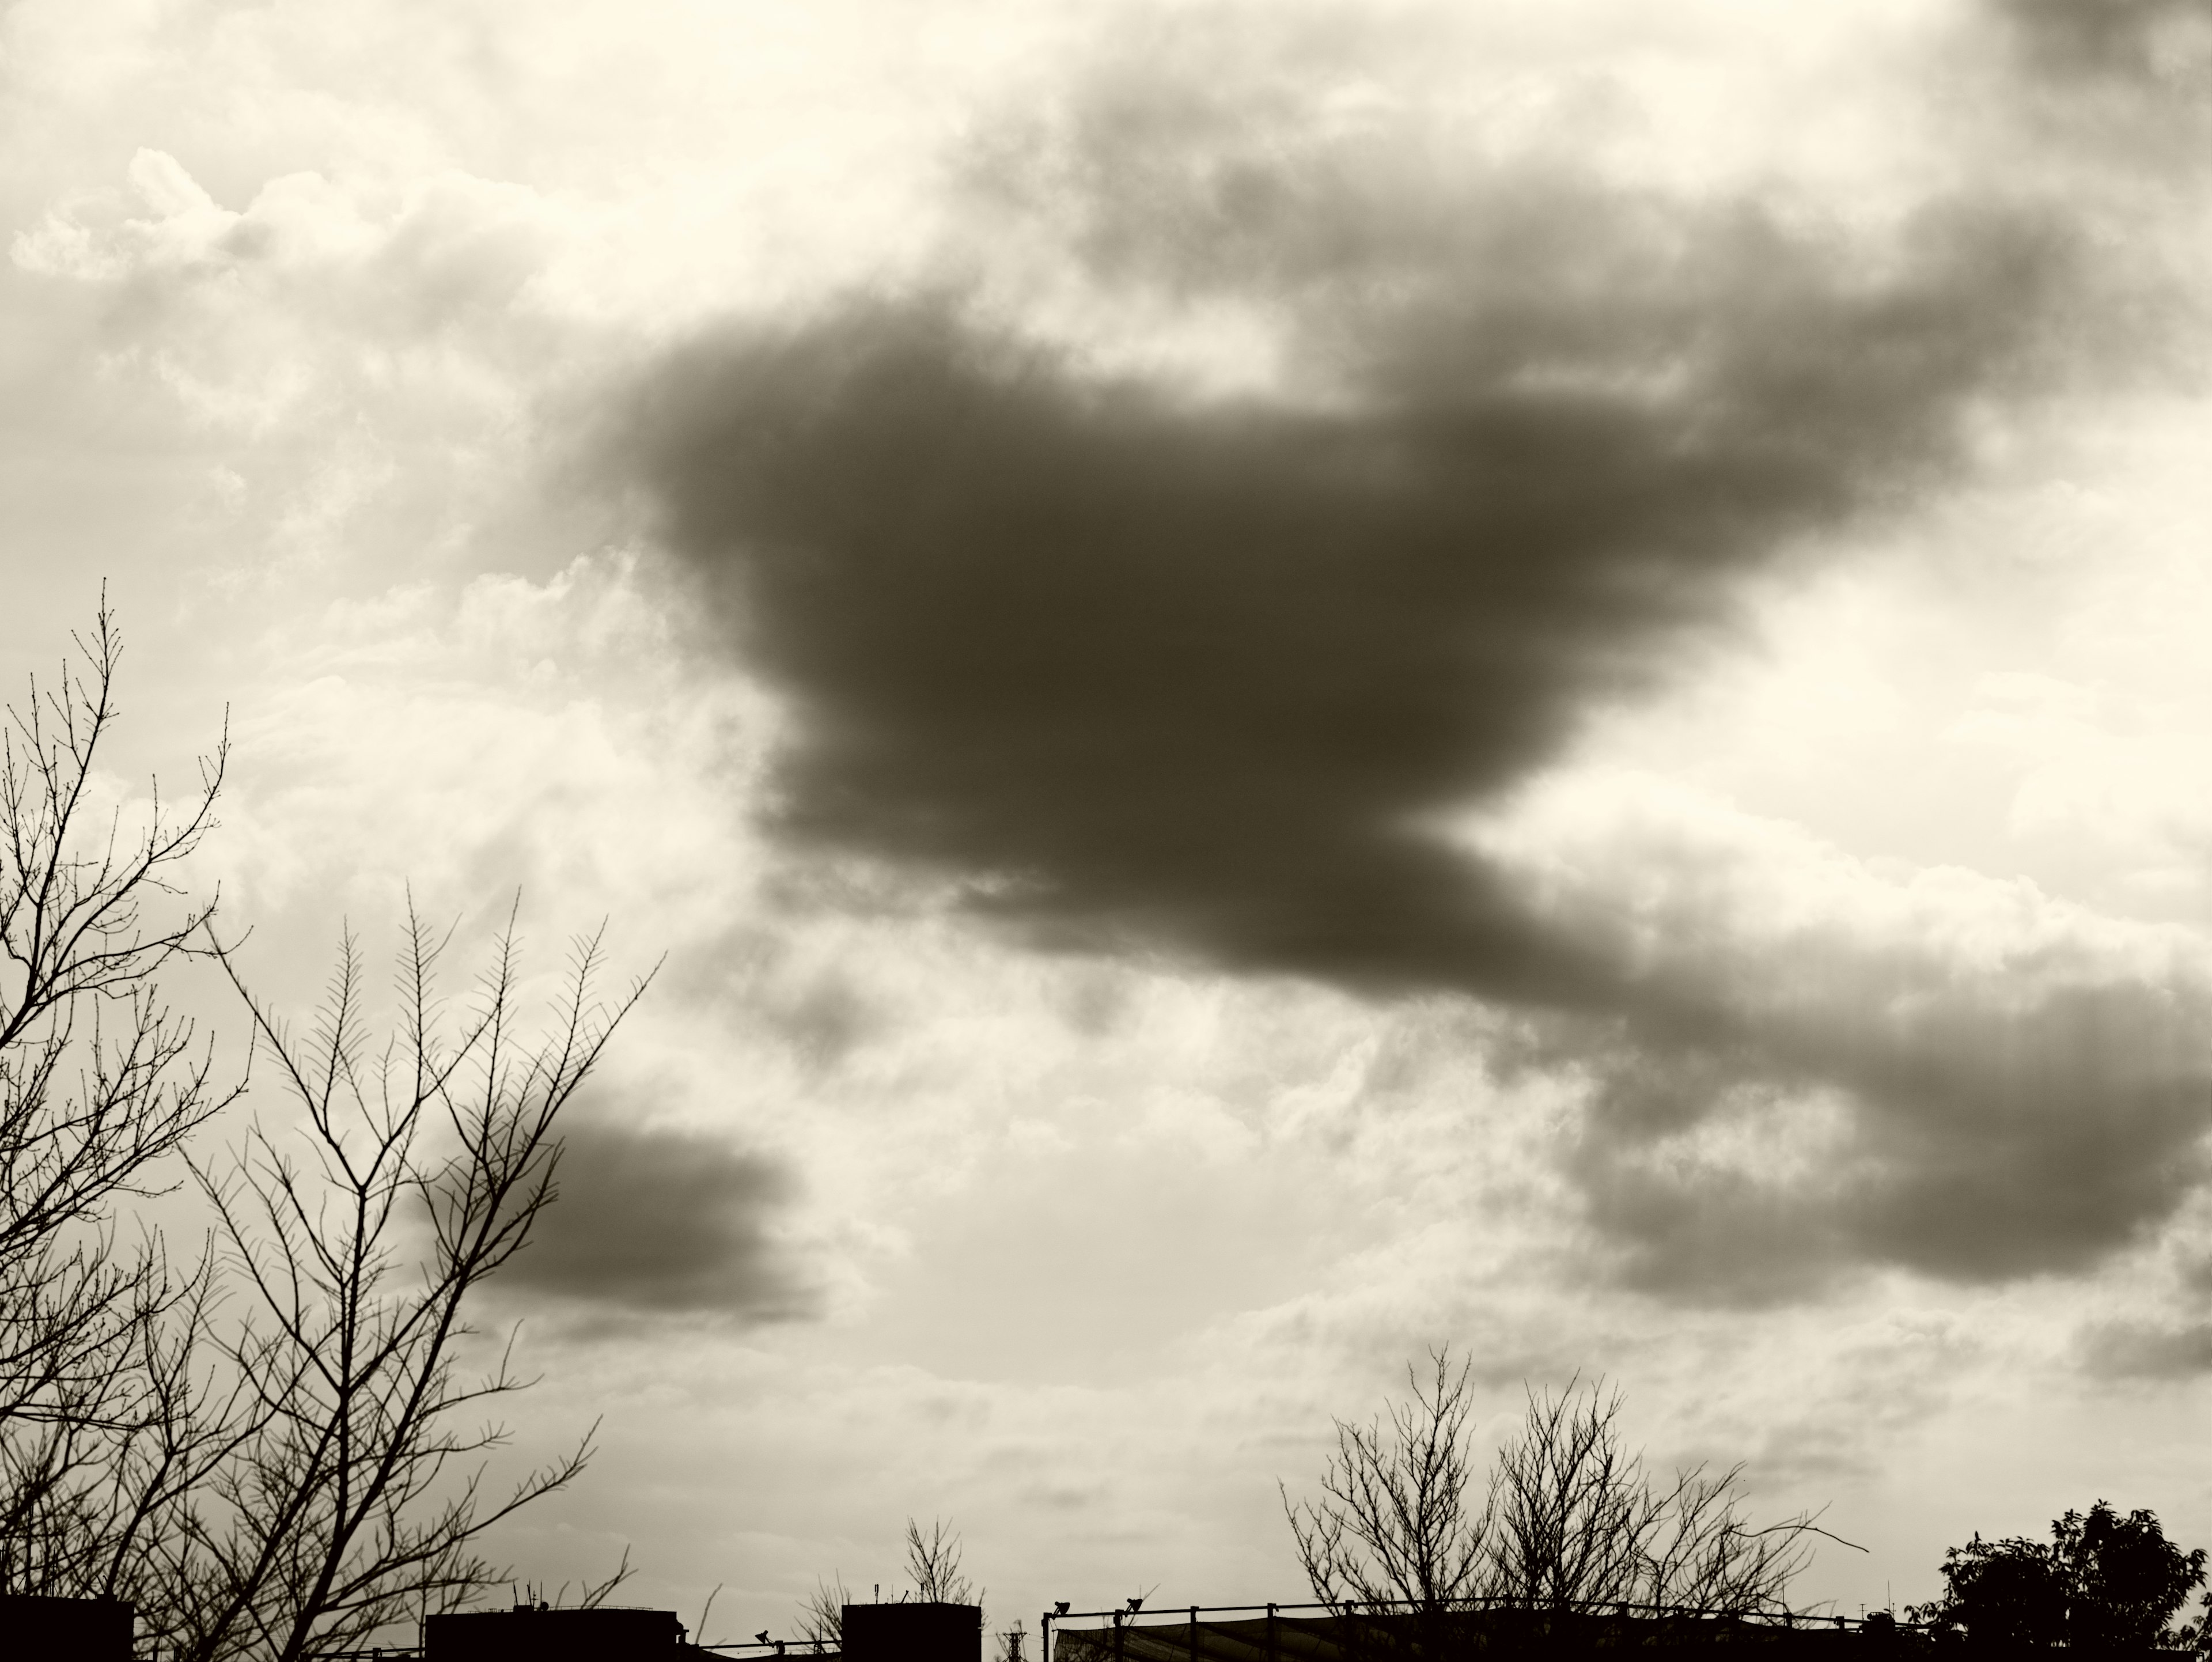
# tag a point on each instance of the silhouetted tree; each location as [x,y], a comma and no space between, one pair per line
[1568,1518]
[1704,1555]
[1574,1509]
[345,1501]
[1580,1522]
[932,1563]
[2008,1592]
[2125,1581]
[821,1617]
[2104,1582]
[100,1083]
[264,1453]
[592,1594]
[1397,1521]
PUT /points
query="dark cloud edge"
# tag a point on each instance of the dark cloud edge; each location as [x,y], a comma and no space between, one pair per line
[800,471]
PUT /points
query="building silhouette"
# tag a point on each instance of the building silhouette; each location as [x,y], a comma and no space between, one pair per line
[82,1630]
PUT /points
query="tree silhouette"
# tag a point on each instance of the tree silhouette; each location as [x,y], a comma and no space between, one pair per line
[821,1617]
[99,1084]
[2104,1582]
[345,1501]
[1568,1518]
[1397,1521]
[266,1454]
[933,1563]
[1579,1521]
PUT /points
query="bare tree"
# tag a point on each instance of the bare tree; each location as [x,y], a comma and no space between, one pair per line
[1583,1524]
[1704,1555]
[349,1495]
[287,1472]
[1398,1523]
[100,1083]
[1568,1520]
[932,1563]
[821,1617]
[89,1495]
[1574,1513]
[932,1560]
[590,1595]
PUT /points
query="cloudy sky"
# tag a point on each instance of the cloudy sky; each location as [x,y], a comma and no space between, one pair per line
[1285,682]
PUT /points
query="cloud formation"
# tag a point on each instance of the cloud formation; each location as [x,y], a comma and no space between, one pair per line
[663,1221]
[1156,665]
[1818,1062]
[2164,41]
[1197,670]
[2143,1350]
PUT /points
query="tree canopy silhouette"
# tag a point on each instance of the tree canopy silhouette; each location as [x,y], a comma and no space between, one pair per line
[2103,1582]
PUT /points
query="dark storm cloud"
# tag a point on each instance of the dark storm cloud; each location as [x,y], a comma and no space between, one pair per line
[1160,669]
[1194,672]
[2115,93]
[2144,41]
[2138,1350]
[1976,1131]
[661,1221]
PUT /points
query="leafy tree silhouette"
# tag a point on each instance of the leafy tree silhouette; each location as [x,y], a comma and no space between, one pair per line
[2104,1582]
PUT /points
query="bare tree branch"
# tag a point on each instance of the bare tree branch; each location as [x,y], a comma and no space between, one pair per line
[821,1617]
[1396,1523]
[1569,1521]
[353,1498]
[933,1561]
[101,1404]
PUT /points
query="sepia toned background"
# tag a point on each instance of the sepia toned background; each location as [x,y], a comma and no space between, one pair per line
[1284,683]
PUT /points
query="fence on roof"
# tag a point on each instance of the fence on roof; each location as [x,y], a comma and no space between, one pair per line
[1390,1631]
[1401,1630]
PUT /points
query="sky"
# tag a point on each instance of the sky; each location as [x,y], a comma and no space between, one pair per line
[1278,683]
